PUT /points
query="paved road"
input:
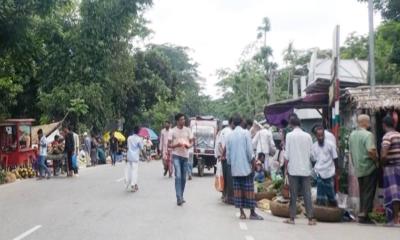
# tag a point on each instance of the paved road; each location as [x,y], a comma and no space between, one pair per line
[96,206]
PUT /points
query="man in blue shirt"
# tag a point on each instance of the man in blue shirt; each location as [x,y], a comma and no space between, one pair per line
[239,151]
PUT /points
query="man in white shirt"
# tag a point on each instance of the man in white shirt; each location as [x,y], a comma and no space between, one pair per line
[135,147]
[165,150]
[298,154]
[263,142]
[43,155]
[324,154]
[180,141]
[226,168]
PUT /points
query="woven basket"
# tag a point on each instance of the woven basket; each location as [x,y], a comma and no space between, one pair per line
[265,195]
[327,214]
[282,209]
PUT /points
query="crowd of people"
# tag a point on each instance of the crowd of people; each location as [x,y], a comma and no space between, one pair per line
[246,159]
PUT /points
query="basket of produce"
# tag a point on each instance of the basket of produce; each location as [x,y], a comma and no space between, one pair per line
[265,195]
[280,208]
[327,214]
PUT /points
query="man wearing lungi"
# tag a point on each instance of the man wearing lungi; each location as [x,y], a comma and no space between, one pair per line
[324,154]
[239,151]
[390,155]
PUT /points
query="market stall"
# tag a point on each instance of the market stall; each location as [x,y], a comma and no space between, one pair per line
[16,143]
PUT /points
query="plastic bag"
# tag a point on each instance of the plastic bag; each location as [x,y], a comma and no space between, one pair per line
[74,161]
[219,178]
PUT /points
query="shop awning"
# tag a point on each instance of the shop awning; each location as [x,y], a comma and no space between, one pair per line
[276,112]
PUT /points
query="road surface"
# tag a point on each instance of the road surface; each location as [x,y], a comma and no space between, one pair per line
[95,205]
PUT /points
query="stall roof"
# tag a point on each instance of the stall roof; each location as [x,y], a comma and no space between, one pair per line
[387,96]
[14,121]
[276,112]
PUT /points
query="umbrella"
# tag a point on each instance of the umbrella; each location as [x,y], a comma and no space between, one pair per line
[147,132]
[118,135]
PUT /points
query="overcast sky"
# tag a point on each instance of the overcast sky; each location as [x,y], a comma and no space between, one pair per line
[217,31]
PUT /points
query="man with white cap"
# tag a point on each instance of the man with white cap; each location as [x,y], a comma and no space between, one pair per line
[263,142]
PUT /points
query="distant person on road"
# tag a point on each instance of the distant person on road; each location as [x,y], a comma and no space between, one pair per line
[298,154]
[239,151]
[365,158]
[165,150]
[325,155]
[113,148]
[93,150]
[42,155]
[180,141]
[135,147]
[87,148]
[69,149]
[390,157]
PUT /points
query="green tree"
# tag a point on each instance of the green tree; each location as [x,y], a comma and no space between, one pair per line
[390,9]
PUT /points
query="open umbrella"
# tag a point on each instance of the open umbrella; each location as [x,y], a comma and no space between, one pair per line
[148,132]
[117,135]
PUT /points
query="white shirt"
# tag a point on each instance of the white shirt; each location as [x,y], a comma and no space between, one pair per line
[135,145]
[324,157]
[298,152]
[330,137]
[263,142]
[224,135]
[43,146]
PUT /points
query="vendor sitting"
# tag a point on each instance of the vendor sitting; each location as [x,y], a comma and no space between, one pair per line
[324,154]
[259,175]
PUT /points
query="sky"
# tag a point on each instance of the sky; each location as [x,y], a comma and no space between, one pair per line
[217,31]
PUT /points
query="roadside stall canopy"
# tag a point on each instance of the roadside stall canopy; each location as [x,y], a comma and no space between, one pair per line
[386,97]
[276,112]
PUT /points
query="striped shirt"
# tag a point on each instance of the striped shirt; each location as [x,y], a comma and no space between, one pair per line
[391,141]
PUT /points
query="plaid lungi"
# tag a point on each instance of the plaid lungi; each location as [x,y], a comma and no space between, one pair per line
[325,191]
[243,192]
[391,185]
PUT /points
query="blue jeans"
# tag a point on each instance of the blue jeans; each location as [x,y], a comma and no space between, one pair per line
[42,166]
[113,157]
[181,166]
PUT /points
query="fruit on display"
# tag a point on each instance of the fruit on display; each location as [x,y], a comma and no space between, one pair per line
[24,173]
[10,177]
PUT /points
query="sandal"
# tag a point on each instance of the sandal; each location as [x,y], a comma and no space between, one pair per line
[289,221]
[312,222]
[242,217]
[256,217]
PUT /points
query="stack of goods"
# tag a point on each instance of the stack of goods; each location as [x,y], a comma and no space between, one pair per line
[24,173]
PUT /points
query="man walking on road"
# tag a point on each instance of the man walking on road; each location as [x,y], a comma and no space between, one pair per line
[298,154]
[86,147]
[226,168]
[135,146]
[364,156]
[180,140]
[42,155]
[113,148]
[165,150]
[239,151]
[69,149]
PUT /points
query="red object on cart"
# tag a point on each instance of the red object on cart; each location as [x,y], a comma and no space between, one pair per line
[16,142]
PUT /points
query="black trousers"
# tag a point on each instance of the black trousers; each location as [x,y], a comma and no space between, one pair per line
[228,181]
[69,161]
[367,187]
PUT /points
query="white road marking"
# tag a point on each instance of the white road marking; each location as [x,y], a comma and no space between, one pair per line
[27,233]
[249,238]
[243,226]
[119,179]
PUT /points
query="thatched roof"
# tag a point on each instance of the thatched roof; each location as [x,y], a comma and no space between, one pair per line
[47,129]
[387,96]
